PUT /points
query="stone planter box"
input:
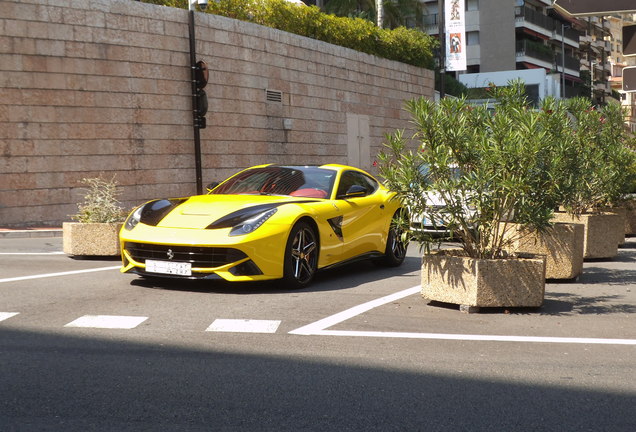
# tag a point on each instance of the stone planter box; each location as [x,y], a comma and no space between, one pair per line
[630,218]
[621,212]
[601,237]
[473,283]
[561,244]
[91,239]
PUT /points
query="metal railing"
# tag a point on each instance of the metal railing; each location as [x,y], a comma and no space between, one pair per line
[536,18]
[534,50]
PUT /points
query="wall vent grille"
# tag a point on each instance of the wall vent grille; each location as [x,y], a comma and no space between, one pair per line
[274,96]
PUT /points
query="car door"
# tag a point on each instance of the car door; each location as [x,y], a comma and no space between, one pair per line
[363,214]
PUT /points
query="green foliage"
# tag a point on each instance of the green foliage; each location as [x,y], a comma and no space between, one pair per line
[517,164]
[505,160]
[600,161]
[100,202]
[409,46]
[452,86]
[396,13]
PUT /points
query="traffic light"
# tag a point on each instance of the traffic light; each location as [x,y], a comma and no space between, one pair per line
[629,79]
[629,40]
[201,75]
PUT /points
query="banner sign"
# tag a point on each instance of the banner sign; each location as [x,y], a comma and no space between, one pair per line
[454,18]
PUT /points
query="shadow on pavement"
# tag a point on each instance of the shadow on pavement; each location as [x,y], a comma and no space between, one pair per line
[67,383]
[337,278]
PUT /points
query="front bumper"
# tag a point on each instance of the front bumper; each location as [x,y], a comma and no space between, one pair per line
[212,254]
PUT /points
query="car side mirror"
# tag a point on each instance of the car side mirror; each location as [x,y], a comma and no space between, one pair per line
[212,186]
[354,191]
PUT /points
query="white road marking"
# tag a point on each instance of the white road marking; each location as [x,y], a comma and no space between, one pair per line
[469,337]
[48,275]
[107,321]
[7,315]
[331,321]
[319,328]
[32,253]
[244,326]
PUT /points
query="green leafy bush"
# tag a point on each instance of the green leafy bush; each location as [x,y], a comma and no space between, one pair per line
[410,46]
[100,202]
[599,165]
[504,157]
[517,164]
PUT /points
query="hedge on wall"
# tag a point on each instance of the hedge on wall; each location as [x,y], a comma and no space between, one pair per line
[410,46]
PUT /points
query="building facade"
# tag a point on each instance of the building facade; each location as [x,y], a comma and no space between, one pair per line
[530,35]
[103,88]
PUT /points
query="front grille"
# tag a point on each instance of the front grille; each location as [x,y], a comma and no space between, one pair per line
[198,256]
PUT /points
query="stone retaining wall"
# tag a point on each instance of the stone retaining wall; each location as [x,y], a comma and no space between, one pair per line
[103,88]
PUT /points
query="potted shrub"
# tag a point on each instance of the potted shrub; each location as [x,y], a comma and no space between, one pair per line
[97,223]
[504,159]
[600,166]
[562,243]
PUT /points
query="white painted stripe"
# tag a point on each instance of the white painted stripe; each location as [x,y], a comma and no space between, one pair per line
[469,337]
[7,315]
[354,311]
[244,326]
[32,253]
[318,328]
[48,275]
[107,321]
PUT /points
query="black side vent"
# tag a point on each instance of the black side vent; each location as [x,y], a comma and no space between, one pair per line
[274,96]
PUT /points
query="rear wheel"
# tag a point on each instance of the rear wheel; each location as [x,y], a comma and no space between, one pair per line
[395,251]
[301,256]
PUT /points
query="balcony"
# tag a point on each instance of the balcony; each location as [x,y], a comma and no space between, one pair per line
[431,24]
[535,53]
[535,21]
[572,65]
[569,36]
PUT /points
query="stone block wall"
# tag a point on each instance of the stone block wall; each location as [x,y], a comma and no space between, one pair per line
[102,88]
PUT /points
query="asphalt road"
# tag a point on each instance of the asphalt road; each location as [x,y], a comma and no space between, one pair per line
[359,350]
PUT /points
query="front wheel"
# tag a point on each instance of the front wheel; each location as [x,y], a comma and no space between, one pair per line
[301,256]
[395,250]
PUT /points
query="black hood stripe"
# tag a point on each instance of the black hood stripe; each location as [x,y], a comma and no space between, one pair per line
[232,219]
[154,211]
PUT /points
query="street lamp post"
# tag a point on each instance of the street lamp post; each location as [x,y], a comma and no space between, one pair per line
[563,27]
[195,97]
[442,48]
[592,64]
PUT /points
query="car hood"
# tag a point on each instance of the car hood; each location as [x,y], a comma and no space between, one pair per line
[199,212]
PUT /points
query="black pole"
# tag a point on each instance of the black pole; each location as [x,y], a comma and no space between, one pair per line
[442,48]
[197,135]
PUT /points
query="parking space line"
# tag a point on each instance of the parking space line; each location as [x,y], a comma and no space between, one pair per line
[319,328]
[332,320]
[107,321]
[32,253]
[472,337]
[7,315]
[48,275]
[244,326]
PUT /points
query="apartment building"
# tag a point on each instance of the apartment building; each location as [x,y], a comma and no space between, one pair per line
[618,61]
[553,54]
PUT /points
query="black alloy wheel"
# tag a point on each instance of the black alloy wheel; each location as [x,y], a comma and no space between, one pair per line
[395,251]
[301,256]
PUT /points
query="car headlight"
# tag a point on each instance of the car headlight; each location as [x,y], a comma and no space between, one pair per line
[134,218]
[252,224]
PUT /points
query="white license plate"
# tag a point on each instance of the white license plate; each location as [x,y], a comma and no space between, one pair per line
[169,267]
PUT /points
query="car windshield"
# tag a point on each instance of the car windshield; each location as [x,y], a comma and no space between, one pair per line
[425,171]
[308,182]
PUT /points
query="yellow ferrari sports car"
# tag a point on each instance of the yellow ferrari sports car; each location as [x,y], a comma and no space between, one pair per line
[266,222]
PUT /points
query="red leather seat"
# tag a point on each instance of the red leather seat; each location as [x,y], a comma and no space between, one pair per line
[309,193]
